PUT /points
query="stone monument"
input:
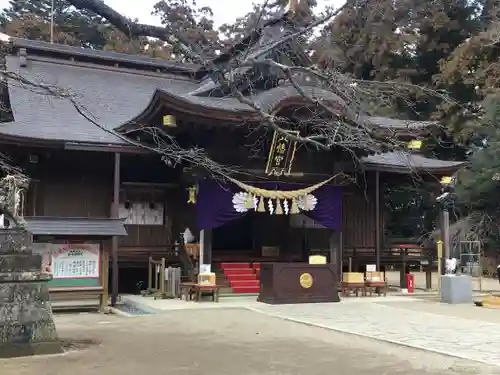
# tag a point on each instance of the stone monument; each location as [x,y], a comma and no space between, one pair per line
[455,288]
[26,323]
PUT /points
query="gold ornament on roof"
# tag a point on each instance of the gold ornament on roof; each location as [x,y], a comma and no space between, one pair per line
[169,121]
[415,144]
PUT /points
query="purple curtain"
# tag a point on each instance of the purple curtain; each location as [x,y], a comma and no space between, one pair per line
[214,206]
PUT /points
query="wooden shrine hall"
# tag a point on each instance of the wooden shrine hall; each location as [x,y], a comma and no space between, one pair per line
[96,180]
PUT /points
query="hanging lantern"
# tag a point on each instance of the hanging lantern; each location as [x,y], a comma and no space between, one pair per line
[169,121]
[192,191]
[415,144]
[446,180]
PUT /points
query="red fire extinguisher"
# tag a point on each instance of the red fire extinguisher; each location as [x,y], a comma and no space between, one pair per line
[410,282]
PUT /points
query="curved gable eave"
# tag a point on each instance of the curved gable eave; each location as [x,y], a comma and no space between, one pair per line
[407,163]
[231,110]
[225,109]
[135,123]
[433,171]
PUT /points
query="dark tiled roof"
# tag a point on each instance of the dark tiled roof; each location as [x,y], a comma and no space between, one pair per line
[404,162]
[267,100]
[57,226]
[270,99]
[111,97]
[117,96]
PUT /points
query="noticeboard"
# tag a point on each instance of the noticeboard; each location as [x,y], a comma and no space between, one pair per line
[70,264]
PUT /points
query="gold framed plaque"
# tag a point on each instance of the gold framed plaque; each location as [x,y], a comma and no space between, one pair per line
[306,280]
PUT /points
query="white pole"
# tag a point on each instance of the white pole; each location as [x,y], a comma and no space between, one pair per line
[202,250]
[52,21]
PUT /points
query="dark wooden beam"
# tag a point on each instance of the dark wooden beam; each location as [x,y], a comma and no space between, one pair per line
[73,146]
[114,213]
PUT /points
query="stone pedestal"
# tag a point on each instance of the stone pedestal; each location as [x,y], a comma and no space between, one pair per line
[456,289]
[26,323]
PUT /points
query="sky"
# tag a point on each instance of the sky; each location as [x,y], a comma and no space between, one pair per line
[225,11]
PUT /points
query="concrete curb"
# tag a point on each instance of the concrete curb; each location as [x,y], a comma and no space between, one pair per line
[396,342]
[115,311]
[140,306]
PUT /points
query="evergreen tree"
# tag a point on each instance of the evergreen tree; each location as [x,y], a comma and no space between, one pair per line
[31,19]
[478,185]
[399,40]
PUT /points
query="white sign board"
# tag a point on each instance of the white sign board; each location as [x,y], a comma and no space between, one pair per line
[76,261]
[205,268]
[371,268]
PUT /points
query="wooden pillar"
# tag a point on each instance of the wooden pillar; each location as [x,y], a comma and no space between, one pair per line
[104,275]
[341,255]
[377,220]
[114,241]
[334,244]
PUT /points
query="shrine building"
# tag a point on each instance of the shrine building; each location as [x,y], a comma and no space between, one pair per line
[95,190]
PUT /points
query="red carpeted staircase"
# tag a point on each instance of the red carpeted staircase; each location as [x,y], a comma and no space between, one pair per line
[242,277]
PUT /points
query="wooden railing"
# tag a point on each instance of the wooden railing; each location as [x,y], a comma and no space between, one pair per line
[394,256]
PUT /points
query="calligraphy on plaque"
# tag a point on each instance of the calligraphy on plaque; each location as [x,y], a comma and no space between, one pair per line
[281,154]
[76,261]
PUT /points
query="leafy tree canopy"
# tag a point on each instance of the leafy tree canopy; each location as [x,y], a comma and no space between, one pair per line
[478,186]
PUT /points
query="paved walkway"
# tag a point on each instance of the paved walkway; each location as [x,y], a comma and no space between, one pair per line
[464,338]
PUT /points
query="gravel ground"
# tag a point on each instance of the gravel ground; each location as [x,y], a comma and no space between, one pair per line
[225,341]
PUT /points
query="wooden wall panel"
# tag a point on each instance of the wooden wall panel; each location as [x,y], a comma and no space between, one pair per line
[146,236]
[73,196]
[69,184]
[144,241]
[358,220]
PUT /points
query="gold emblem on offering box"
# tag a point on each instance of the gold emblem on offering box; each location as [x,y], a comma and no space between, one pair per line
[281,154]
[306,280]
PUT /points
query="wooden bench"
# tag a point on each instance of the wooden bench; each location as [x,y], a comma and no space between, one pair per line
[353,282]
[200,289]
[187,291]
[375,282]
[348,288]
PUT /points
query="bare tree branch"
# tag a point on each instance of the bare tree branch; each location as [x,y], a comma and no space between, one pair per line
[133,29]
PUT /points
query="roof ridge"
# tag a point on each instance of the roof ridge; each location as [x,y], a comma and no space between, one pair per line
[124,70]
[139,61]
